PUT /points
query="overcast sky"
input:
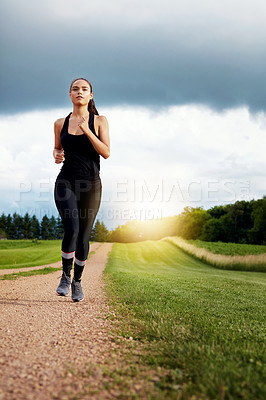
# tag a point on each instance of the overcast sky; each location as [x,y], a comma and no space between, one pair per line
[135,52]
[181,83]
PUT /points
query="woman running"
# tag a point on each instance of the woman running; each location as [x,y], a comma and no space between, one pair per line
[80,139]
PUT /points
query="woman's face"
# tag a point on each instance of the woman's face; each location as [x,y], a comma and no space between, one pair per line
[80,92]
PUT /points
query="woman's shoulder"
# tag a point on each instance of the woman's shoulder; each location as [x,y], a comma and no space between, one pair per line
[59,122]
[100,119]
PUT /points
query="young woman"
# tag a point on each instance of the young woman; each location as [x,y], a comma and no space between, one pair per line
[80,139]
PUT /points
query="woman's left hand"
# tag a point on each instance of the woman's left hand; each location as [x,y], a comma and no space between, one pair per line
[83,124]
[100,142]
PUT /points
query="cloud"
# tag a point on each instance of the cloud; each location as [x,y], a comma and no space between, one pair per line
[138,53]
[161,161]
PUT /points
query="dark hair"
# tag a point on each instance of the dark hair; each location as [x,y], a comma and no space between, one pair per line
[91,105]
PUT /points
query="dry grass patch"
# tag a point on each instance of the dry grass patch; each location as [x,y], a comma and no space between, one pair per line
[249,262]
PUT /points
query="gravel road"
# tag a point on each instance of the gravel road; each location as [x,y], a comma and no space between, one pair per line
[50,347]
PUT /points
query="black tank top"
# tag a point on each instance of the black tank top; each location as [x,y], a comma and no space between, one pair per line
[81,159]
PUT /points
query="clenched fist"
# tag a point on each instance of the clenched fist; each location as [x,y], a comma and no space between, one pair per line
[58,156]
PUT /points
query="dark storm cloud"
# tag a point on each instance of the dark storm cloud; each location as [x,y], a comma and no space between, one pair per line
[153,64]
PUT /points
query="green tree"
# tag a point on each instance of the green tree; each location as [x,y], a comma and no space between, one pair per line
[35,227]
[2,234]
[217,211]
[52,228]
[17,222]
[237,222]
[3,222]
[192,222]
[59,228]
[212,230]
[26,227]
[127,233]
[258,232]
[116,235]
[45,232]
[10,230]
[100,233]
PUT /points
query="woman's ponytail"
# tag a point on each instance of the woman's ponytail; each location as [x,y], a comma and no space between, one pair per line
[92,108]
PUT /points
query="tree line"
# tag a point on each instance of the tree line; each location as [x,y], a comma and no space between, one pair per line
[29,227]
[241,222]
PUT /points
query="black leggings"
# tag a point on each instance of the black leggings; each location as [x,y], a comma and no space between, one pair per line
[78,204]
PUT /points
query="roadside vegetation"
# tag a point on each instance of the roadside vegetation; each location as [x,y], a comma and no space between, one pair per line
[230,249]
[224,255]
[205,327]
[42,271]
[241,222]
[28,253]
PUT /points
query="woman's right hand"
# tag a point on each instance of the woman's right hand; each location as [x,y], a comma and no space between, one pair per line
[58,155]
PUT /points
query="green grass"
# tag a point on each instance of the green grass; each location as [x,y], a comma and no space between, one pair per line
[247,262]
[230,249]
[26,253]
[29,253]
[207,326]
[42,271]
[18,244]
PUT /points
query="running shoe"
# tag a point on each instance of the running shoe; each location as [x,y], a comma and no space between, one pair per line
[77,294]
[64,285]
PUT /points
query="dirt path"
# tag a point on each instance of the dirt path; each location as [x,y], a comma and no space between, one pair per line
[50,346]
[93,247]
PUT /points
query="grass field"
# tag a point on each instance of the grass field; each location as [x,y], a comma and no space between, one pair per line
[205,326]
[43,271]
[224,255]
[230,249]
[28,253]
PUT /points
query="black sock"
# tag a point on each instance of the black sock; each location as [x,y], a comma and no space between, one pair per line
[67,265]
[78,269]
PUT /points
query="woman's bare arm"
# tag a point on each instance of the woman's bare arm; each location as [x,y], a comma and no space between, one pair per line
[102,142]
[58,151]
